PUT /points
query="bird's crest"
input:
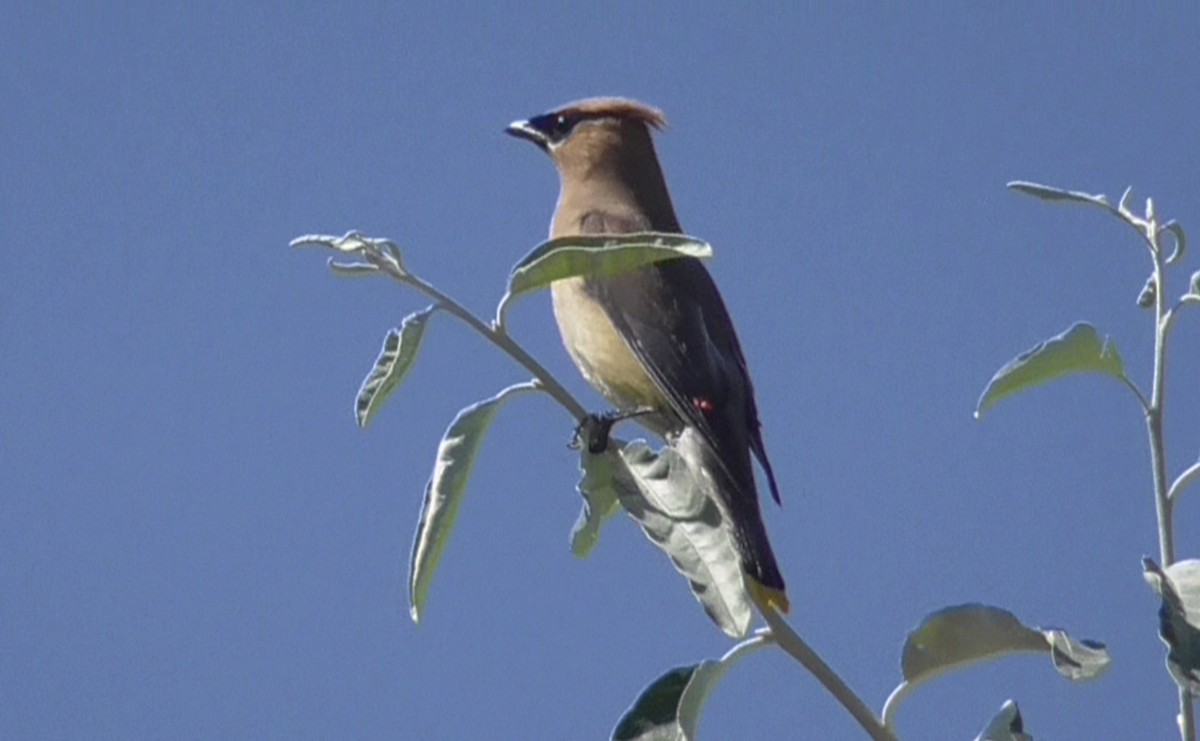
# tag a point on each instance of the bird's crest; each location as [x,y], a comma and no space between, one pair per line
[617,108]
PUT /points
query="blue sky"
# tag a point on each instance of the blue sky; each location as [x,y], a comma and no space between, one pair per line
[196,541]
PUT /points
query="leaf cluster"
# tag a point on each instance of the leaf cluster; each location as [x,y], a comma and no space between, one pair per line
[679,514]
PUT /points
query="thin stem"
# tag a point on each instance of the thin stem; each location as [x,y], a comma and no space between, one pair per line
[496,335]
[501,320]
[903,690]
[1154,428]
[1154,416]
[795,646]
[1136,392]
[761,637]
[1186,479]
[1190,299]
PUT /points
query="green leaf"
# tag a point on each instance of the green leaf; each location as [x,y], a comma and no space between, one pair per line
[1077,350]
[1179,618]
[654,715]
[568,257]
[444,492]
[1006,725]
[1049,193]
[399,351]
[660,493]
[960,636]
[669,708]
[682,518]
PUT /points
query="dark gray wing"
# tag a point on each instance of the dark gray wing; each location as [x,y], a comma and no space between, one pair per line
[676,323]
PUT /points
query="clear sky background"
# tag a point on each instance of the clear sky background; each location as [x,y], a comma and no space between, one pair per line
[197,542]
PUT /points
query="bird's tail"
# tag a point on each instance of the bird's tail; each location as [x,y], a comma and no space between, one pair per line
[758,560]
[777,599]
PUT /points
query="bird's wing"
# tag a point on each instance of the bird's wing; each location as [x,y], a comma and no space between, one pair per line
[719,327]
[675,322]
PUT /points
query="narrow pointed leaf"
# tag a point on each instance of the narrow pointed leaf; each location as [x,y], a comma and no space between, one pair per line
[353,242]
[669,708]
[1006,725]
[1049,193]
[445,490]
[1176,230]
[352,269]
[1179,618]
[1148,294]
[1080,349]
[391,250]
[660,492]
[349,242]
[396,358]
[568,257]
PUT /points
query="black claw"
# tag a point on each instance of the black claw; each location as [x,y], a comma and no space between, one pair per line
[601,431]
[594,430]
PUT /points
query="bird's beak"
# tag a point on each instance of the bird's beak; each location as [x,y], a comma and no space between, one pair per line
[525,130]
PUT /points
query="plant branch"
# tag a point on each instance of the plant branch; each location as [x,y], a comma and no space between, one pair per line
[1154,428]
[795,646]
[1168,321]
[1136,392]
[1186,479]
[495,334]
[1154,417]
[903,690]
[501,320]
[760,637]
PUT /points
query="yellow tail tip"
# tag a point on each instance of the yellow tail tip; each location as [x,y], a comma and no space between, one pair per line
[776,599]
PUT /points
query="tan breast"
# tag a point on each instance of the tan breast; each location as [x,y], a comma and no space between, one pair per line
[604,359]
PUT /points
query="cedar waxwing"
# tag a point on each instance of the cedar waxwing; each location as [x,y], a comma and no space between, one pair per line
[658,338]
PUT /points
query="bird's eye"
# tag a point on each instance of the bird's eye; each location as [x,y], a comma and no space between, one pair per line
[555,127]
[562,125]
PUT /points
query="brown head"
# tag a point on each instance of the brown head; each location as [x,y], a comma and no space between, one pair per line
[605,157]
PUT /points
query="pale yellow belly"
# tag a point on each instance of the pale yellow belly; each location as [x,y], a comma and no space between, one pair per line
[604,359]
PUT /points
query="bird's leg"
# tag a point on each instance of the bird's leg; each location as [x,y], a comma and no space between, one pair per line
[595,429]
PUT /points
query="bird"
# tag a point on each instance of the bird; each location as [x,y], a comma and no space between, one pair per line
[658,341]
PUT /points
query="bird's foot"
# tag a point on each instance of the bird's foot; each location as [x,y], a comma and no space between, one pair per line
[594,430]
